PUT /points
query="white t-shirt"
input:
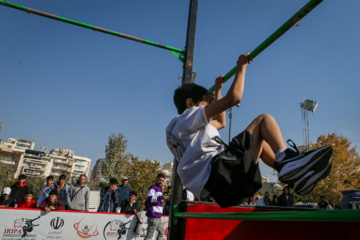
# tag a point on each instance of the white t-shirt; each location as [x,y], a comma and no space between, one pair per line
[190,138]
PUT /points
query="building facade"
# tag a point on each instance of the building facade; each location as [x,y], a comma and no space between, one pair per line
[96,173]
[167,169]
[19,154]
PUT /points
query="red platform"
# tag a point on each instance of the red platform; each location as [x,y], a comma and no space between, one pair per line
[198,229]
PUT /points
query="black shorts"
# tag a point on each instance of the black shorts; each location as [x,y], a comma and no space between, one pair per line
[234,175]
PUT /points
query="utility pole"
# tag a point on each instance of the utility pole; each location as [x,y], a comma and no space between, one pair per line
[175,232]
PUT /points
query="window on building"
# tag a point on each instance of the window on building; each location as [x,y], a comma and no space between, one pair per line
[31,171]
[80,167]
[22,145]
[57,171]
[60,165]
[9,159]
[82,162]
[56,153]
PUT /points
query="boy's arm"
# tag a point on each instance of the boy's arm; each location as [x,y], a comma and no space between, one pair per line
[235,93]
[219,120]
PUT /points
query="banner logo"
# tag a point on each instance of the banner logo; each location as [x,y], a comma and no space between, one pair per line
[84,231]
[57,223]
[21,228]
[115,229]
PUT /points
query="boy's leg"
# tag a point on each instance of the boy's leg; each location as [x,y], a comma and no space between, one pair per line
[267,155]
[302,171]
[267,138]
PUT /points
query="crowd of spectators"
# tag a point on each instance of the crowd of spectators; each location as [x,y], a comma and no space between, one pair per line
[286,199]
[115,198]
[52,197]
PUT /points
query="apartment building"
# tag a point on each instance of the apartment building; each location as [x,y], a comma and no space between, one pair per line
[167,170]
[10,156]
[96,173]
[19,154]
[64,161]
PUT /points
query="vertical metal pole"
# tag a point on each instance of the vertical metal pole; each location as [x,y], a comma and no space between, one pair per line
[177,232]
[190,42]
[230,117]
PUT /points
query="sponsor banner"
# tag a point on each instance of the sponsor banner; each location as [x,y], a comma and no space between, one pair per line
[20,224]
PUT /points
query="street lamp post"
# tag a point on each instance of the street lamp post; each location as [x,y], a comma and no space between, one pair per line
[306,107]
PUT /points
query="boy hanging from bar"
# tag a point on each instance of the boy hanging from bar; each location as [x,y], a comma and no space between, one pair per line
[208,167]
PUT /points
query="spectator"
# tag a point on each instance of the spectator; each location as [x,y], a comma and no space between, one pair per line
[323,204]
[79,194]
[49,183]
[167,197]
[5,199]
[61,188]
[267,200]
[18,190]
[109,197]
[52,203]
[124,190]
[259,201]
[28,201]
[130,205]
[275,201]
[155,209]
[251,201]
[286,199]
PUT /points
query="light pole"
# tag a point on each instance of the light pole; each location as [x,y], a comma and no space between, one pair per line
[306,107]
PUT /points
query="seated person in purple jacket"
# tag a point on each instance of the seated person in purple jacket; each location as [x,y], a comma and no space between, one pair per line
[52,203]
[154,205]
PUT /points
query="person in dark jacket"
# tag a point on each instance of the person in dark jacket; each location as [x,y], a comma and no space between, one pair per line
[124,190]
[275,201]
[267,201]
[286,199]
[18,190]
[323,204]
[109,197]
[52,203]
[130,205]
[5,199]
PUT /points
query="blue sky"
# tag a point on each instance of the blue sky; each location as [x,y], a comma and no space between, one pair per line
[63,86]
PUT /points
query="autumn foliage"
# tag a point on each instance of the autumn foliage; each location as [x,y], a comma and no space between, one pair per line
[142,174]
[345,172]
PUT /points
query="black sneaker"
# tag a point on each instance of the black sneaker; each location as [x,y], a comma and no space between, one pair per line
[307,183]
[296,166]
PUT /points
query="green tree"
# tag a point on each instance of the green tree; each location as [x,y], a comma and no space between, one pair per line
[345,172]
[35,184]
[6,172]
[116,160]
[142,174]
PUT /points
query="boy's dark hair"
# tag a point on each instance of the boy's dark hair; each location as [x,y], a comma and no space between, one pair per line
[50,177]
[133,193]
[83,175]
[161,175]
[22,176]
[113,181]
[62,176]
[190,90]
[29,192]
[53,192]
